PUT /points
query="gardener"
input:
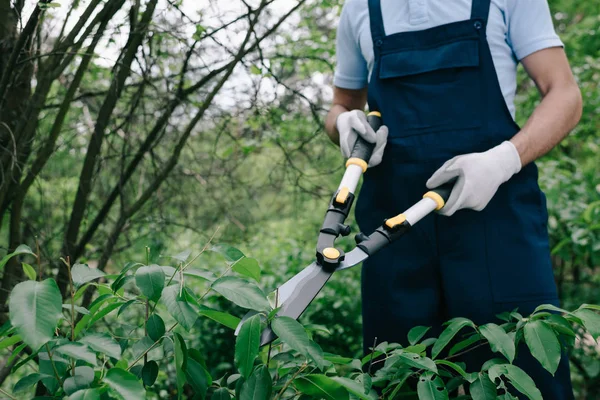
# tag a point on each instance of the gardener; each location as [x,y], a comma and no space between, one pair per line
[443,75]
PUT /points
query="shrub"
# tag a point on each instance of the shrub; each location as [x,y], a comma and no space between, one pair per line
[138,339]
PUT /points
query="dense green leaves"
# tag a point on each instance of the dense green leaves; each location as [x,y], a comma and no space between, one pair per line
[247,345]
[499,340]
[150,280]
[35,308]
[543,344]
[125,384]
[242,293]
[81,274]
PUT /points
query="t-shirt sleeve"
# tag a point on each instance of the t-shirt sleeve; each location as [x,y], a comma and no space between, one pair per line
[351,70]
[530,27]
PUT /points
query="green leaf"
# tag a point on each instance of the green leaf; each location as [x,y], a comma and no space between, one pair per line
[590,307]
[183,256]
[81,274]
[291,333]
[221,317]
[29,271]
[125,384]
[560,325]
[149,373]
[178,307]
[87,394]
[120,282]
[431,387]
[483,388]
[456,368]
[221,394]
[7,342]
[518,378]
[180,361]
[416,361]
[35,309]
[197,376]
[591,321]
[258,387]
[15,353]
[126,306]
[242,293]
[543,344]
[248,267]
[254,70]
[315,353]
[417,333]
[22,249]
[321,386]
[82,379]
[79,309]
[549,307]
[46,367]
[247,345]
[29,380]
[155,327]
[355,388]
[499,340]
[230,253]
[448,334]
[151,281]
[77,351]
[102,343]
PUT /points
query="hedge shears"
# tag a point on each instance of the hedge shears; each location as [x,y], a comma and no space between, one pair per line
[295,295]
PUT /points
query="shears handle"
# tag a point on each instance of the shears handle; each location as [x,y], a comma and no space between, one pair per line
[362,149]
[393,228]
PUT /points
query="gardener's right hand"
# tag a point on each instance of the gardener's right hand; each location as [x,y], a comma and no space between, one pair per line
[353,123]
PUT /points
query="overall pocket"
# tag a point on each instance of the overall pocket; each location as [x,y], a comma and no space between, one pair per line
[434,89]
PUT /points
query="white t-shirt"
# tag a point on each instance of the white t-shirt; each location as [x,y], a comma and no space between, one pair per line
[515,29]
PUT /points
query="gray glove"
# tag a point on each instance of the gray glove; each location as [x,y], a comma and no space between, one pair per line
[479,176]
[353,123]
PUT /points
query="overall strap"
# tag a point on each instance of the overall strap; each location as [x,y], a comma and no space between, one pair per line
[480,9]
[376,22]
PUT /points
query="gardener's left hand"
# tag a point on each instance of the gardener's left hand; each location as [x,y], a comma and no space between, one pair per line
[478,177]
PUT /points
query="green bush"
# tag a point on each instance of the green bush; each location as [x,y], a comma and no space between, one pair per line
[138,338]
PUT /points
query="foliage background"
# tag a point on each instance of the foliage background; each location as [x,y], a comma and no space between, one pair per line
[257,169]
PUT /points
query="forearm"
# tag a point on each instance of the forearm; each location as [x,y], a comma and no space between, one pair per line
[555,116]
[330,126]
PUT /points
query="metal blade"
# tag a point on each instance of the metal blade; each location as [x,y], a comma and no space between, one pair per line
[296,294]
[355,257]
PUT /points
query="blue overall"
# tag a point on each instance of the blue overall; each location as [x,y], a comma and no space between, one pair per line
[438,93]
